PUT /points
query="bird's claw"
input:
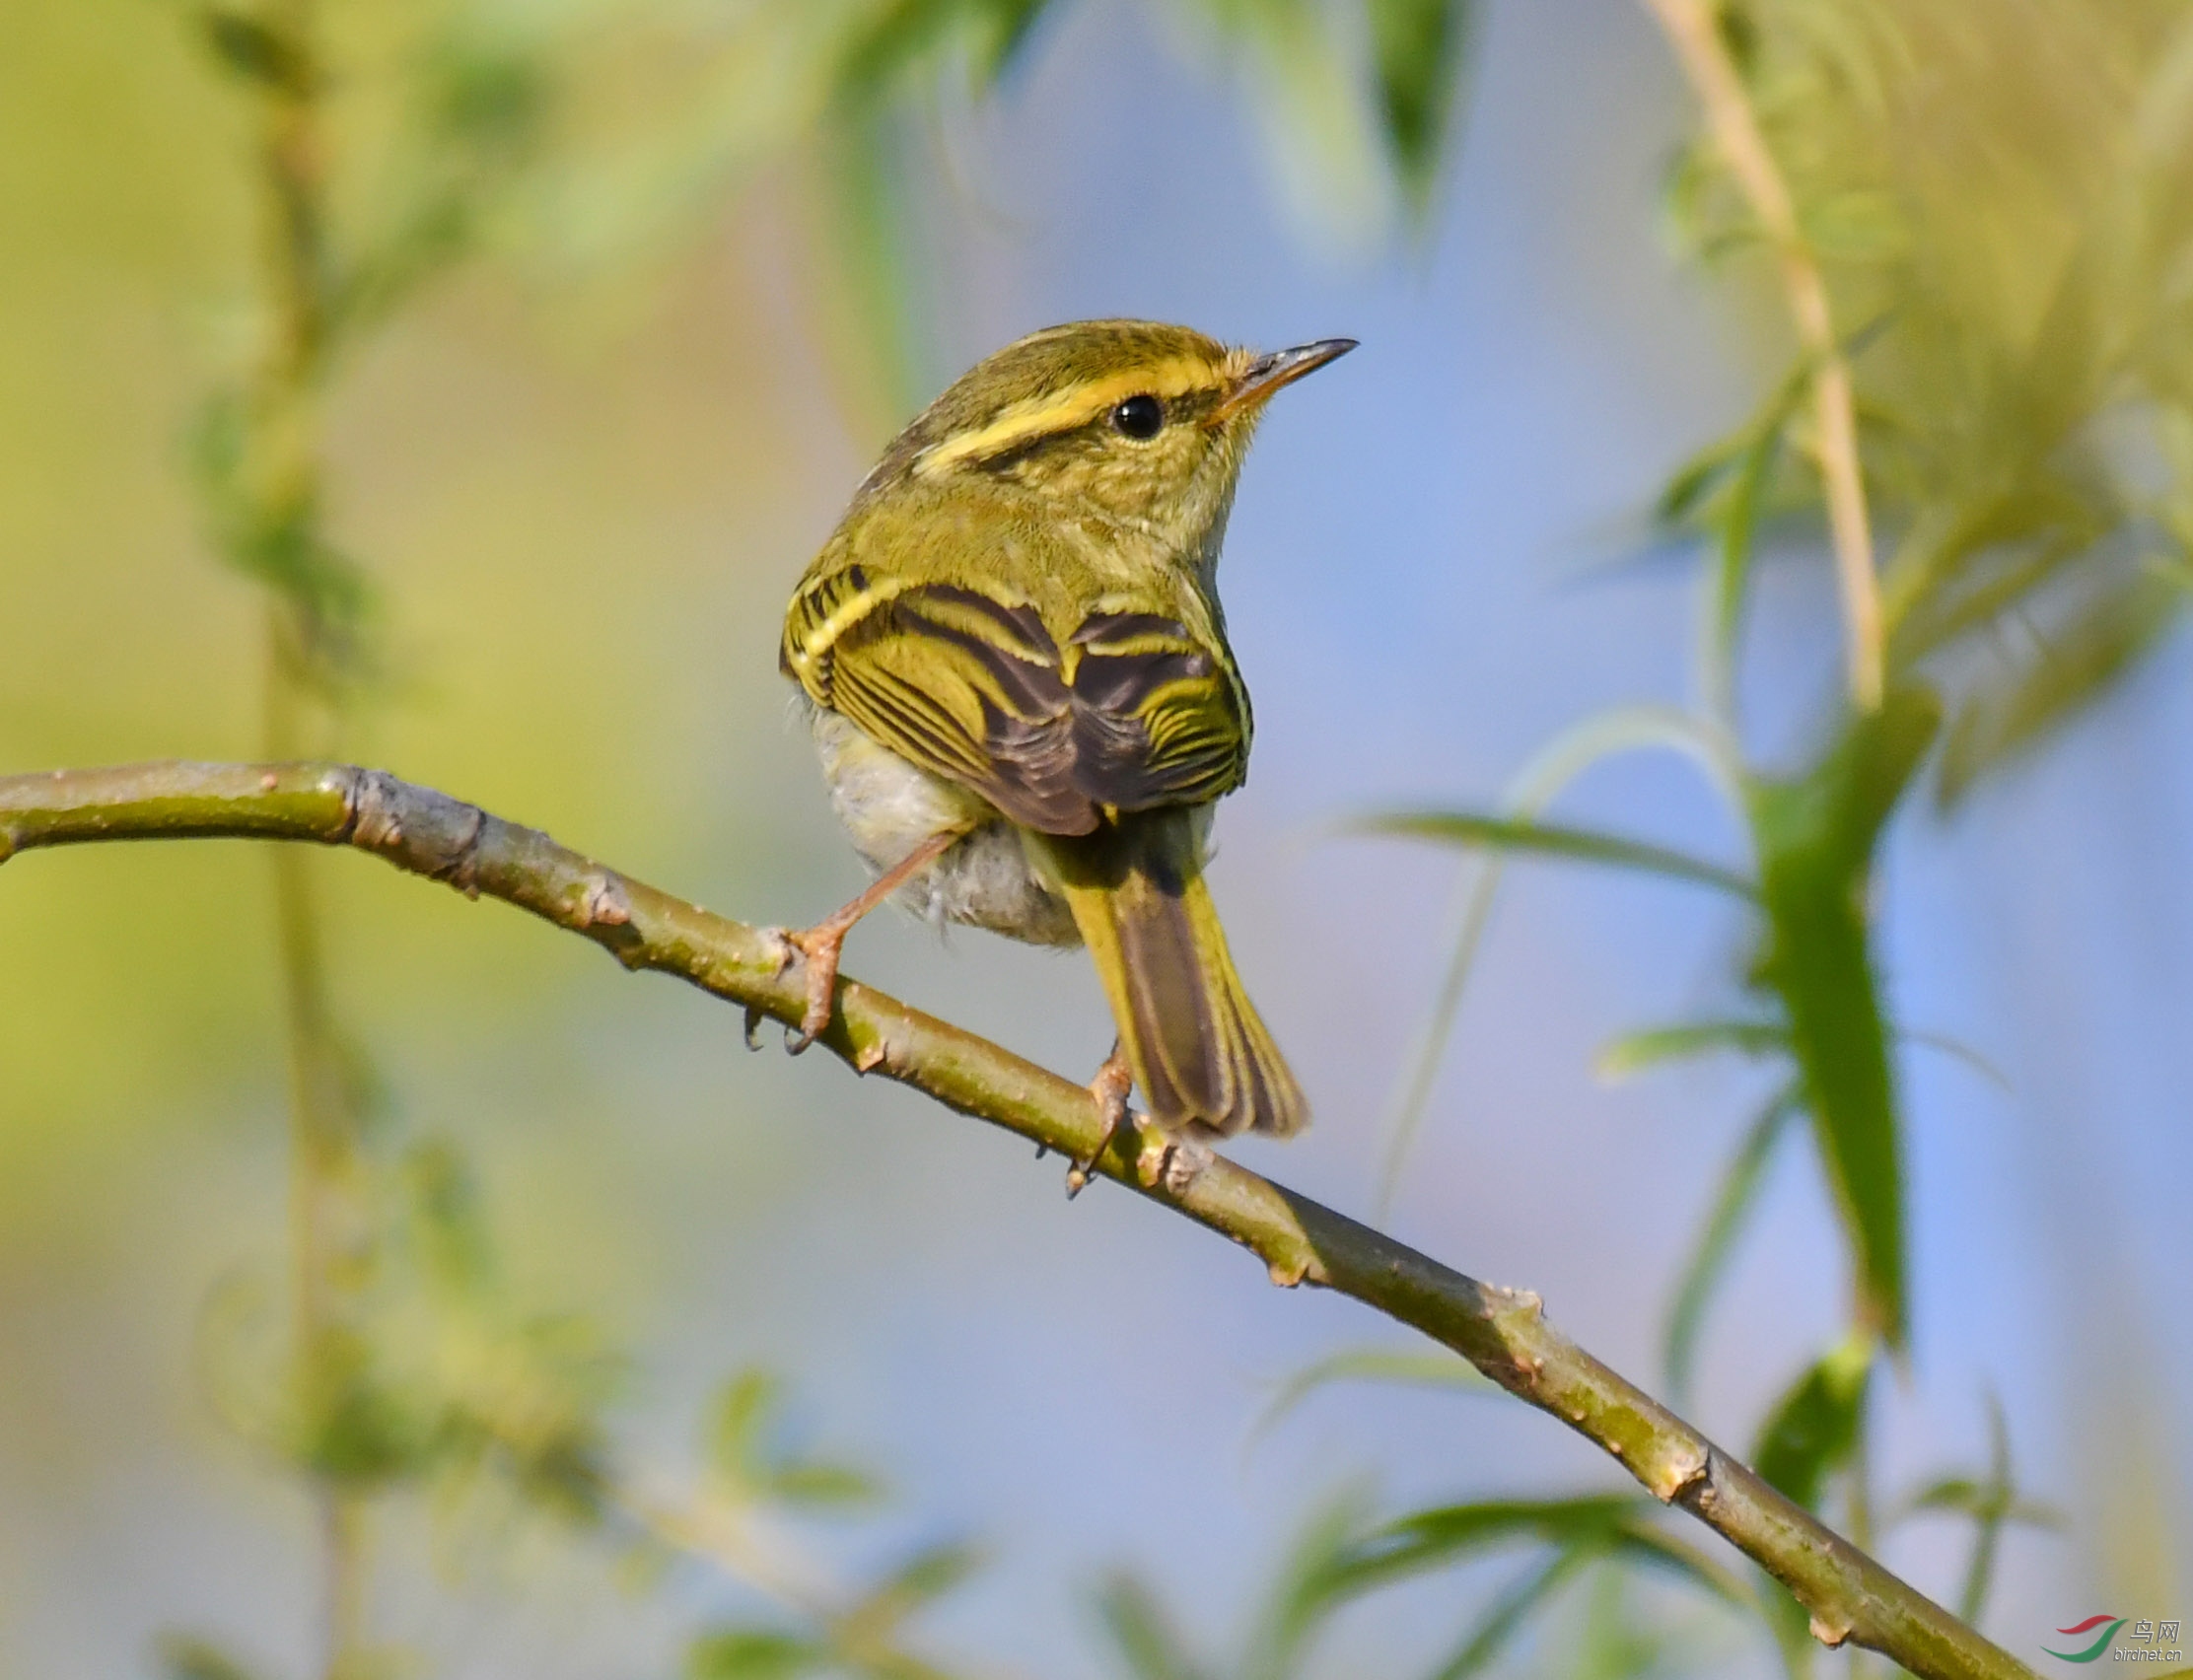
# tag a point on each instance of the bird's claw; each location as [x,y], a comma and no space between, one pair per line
[1108,1089]
[819,950]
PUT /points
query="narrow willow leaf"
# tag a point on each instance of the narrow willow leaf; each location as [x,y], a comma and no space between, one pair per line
[1504,1618]
[187,1656]
[1640,1541]
[1986,590]
[1142,1634]
[1979,1572]
[933,1571]
[902,33]
[452,1230]
[1709,1261]
[1615,1641]
[1312,1583]
[753,1653]
[1814,1426]
[1417,49]
[1737,536]
[818,1483]
[927,1576]
[1959,1051]
[1816,836]
[889,40]
[1006,27]
[1693,484]
[1601,737]
[1446,1534]
[1544,839]
[1633,1052]
[1992,1502]
[256,52]
[2006,716]
[1372,1364]
[1620,1524]
[741,1414]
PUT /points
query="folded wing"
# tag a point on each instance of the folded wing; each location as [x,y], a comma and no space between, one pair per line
[1128,711]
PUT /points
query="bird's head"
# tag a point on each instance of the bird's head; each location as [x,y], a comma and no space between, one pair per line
[1138,421]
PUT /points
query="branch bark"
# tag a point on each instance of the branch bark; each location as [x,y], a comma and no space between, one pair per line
[1692,27]
[1502,1332]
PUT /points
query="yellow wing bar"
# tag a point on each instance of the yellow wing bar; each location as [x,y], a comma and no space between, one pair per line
[1132,713]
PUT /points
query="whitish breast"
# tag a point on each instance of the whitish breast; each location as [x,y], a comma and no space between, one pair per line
[889,807]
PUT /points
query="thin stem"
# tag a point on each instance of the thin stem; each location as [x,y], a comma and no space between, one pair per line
[1694,30]
[330,1222]
[1504,1333]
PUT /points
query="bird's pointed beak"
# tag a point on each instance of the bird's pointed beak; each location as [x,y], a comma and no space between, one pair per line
[1268,372]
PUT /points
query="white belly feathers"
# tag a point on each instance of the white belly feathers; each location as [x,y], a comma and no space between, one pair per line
[889,807]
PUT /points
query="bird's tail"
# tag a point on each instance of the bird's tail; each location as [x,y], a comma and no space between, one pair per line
[1201,1054]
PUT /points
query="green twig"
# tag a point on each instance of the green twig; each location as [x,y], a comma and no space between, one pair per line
[1848,1596]
[1694,30]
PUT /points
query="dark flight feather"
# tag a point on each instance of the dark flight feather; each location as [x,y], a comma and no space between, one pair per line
[977,689]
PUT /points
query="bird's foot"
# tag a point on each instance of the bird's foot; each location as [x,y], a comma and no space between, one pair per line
[1108,1089]
[818,950]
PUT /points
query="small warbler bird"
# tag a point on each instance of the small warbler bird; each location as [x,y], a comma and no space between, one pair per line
[1019,683]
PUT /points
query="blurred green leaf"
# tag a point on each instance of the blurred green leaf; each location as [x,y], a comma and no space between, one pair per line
[1617,1641]
[1502,1620]
[1814,1426]
[1686,495]
[1370,1364]
[1418,48]
[1812,1432]
[928,1574]
[742,1410]
[256,50]
[1543,839]
[1613,1523]
[2027,697]
[891,38]
[1309,1586]
[1816,837]
[902,33]
[187,1656]
[354,1427]
[1145,1638]
[1993,1504]
[753,1653]
[445,1204]
[1960,1052]
[1737,523]
[485,98]
[1722,488]
[748,1463]
[1961,570]
[809,1482]
[2023,385]
[1576,749]
[1633,1052]
[1708,1260]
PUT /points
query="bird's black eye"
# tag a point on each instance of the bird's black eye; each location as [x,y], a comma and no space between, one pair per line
[1139,417]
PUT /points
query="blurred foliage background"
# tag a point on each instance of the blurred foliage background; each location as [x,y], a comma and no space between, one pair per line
[458,385]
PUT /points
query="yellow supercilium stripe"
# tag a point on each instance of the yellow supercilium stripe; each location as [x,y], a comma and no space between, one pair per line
[1064,410]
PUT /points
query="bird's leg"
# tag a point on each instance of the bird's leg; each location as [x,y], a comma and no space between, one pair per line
[821,944]
[1109,1088]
